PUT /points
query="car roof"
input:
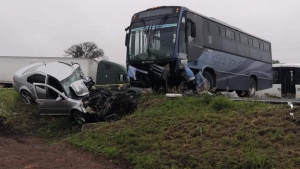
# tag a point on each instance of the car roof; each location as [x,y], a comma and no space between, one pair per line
[24,69]
[59,70]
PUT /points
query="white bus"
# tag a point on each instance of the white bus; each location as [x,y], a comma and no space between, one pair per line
[286,81]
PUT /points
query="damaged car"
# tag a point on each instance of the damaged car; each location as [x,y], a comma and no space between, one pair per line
[60,88]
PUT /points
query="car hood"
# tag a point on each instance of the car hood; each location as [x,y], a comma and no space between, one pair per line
[80,88]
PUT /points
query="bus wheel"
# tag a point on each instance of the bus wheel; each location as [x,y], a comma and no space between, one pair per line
[209,80]
[251,89]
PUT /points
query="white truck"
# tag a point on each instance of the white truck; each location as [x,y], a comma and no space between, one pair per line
[103,72]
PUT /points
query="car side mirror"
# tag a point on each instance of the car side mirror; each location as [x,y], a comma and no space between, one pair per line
[193,30]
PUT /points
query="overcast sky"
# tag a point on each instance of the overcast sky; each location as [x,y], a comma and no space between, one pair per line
[48,27]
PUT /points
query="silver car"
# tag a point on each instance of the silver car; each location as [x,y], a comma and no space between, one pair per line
[56,87]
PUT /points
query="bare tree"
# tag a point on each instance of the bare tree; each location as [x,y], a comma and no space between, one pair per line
[86,50]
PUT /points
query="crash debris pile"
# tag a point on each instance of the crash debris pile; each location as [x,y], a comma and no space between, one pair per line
[99,102]
[104,105]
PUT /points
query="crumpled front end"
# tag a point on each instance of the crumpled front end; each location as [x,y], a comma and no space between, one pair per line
[99,103]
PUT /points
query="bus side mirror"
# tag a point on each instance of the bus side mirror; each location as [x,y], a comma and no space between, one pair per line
[193,30]
[193,27]
[126,39]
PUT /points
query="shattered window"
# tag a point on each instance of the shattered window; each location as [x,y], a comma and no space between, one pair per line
[76,75]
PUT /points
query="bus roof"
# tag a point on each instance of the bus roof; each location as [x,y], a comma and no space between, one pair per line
[225,24]
[209,18]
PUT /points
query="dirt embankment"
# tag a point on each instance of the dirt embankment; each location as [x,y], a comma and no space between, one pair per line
[28,152]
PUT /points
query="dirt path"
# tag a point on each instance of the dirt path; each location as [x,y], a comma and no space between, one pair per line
[27,153]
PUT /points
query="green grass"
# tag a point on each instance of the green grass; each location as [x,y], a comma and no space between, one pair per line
[204,132]
[188,132]
[18,118]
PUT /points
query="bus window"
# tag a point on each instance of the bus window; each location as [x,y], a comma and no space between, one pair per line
[194,44]
[244,39]
[229,34]
[206,26]
[261,46]
[251,44]
[266,47]
[223,32]
[237,37]
[255,43]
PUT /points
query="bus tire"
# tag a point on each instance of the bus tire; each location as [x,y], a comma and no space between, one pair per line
[251,89]
[209,80]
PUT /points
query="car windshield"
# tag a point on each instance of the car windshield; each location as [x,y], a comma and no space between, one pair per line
[153,39]
[75,76]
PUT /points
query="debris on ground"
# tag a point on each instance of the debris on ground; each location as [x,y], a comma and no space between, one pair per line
[102,104]
[99,103]
[173,95]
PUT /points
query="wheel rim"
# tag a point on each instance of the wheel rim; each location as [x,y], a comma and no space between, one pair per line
[26,98]
[78,117]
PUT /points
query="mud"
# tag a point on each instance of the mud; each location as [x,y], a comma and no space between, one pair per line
[18,152]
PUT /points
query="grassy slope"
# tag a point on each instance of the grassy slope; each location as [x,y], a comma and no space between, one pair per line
[199,133]
[18,118]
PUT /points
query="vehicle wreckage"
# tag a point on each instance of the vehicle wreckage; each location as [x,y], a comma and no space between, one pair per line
[62,89]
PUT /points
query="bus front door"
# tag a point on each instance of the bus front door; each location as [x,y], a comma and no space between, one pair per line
[288,84]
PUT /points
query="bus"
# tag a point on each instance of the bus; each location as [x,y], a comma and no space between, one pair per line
[171,45]
[286,82]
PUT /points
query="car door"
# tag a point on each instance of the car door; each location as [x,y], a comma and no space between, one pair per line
[37,78]
[54,102]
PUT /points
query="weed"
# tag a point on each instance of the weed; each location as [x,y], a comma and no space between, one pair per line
[222,103]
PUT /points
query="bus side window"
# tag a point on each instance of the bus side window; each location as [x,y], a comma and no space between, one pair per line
[195,44]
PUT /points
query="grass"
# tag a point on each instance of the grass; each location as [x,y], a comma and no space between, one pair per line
[18,118]
[206,132]
[188,132]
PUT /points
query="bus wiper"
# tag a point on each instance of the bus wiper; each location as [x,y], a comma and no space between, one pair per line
[164,20]
[155,29]
[144,24]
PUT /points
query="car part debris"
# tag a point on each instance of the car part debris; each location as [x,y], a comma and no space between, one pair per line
[99,102]
[132,72]
[290,104]
[173,95]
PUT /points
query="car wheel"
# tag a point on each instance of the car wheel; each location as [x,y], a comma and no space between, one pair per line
[79,117]
[26,97]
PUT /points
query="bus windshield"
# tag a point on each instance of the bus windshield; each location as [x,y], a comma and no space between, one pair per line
[153,39]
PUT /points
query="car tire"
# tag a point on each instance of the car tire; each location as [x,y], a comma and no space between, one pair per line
[79,117]
[26,97]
